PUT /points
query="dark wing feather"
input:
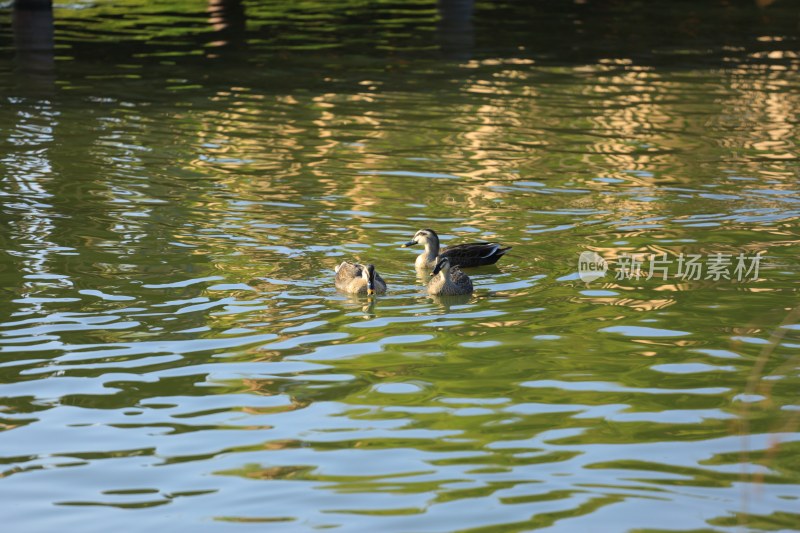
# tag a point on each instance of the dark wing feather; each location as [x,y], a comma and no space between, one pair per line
[474,254]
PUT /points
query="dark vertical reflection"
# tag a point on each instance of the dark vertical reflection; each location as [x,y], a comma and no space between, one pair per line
[25,214]
[32,21]
[455,30]
[229,20]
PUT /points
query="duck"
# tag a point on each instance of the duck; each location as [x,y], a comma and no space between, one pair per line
[354,278]
[462,255]
[448,280]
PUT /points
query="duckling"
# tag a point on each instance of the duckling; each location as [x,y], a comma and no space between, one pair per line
[354,278]
[463,255]
[448,280]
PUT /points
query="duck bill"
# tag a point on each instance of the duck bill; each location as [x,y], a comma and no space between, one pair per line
[409,243]
[437,269]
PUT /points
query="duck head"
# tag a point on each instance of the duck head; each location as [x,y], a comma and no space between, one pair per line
[442,266]
[368,273]
[423,236]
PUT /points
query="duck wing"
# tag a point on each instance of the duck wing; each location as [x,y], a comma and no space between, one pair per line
[474,253]
[345,273]
[460,279]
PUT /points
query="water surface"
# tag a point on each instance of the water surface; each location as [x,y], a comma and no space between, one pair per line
[180,179]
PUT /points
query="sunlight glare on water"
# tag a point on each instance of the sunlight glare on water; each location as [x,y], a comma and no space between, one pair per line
[179,180]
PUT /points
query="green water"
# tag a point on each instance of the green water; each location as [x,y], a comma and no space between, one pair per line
[178,181]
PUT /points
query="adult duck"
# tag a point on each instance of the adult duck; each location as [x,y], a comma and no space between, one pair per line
[354,278]
[448,280]
[463,255]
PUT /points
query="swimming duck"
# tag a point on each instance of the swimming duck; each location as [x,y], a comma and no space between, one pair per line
[464,255]
[358,279]
[447,280]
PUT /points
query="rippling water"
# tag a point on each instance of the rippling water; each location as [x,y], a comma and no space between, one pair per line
[180,179]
